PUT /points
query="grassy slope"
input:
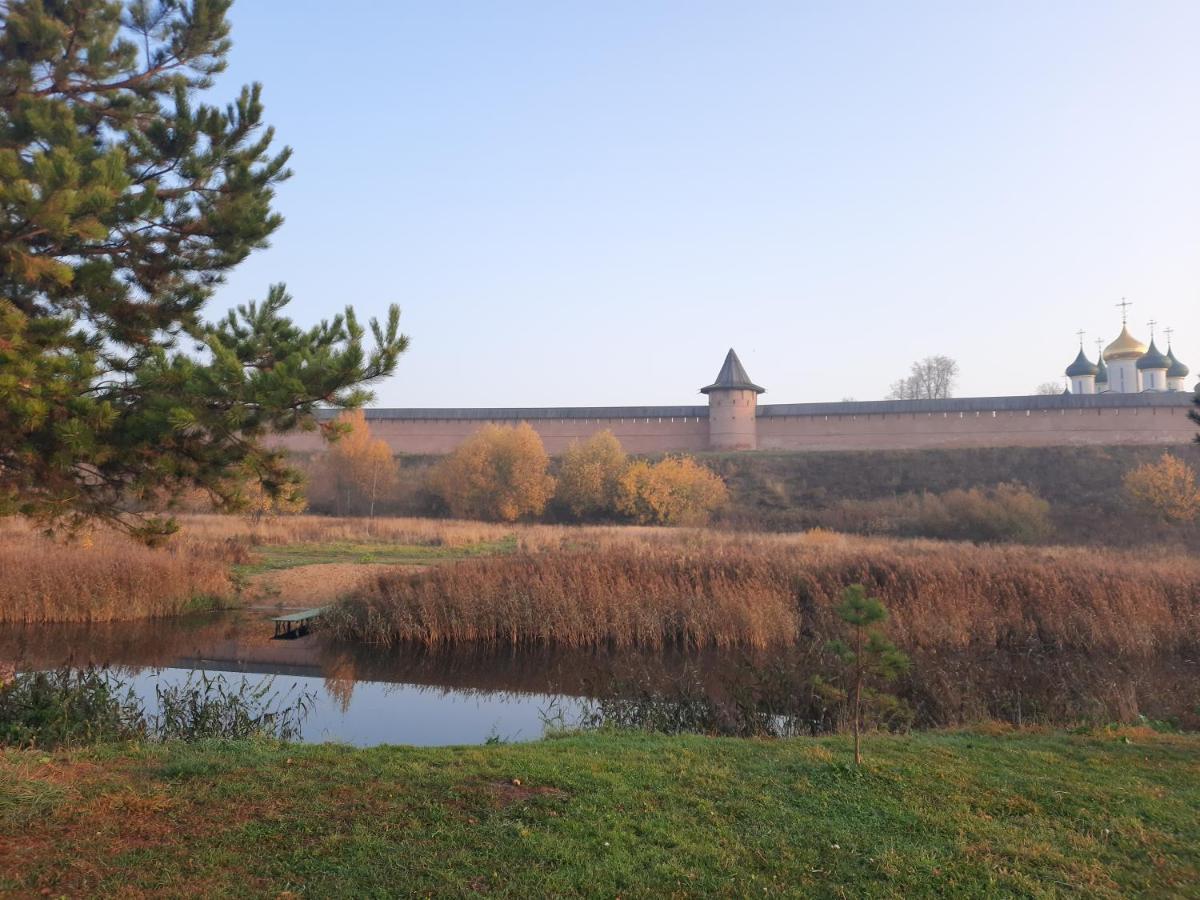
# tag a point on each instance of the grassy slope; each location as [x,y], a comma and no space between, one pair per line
[272,557]
[775,490]
[612,815]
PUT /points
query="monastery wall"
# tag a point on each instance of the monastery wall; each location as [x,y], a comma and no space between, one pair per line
[977,428]
[1104,420]
[639,429]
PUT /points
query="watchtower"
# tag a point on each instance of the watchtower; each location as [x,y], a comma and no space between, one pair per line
[732,408]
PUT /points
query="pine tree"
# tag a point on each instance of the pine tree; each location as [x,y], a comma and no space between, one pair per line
[869,654]
[123,204]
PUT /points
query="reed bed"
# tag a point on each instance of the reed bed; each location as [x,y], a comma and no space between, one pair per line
[761,592]
[103,577]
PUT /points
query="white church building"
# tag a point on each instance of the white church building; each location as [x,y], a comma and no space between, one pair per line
[1127,366]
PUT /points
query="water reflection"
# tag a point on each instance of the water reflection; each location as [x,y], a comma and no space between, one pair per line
[382,713]
[369,695]
[361,697]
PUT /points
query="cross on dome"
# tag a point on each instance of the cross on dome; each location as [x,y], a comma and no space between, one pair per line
[1124,304]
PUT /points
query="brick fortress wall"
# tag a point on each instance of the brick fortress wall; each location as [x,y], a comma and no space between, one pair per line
[1102,419]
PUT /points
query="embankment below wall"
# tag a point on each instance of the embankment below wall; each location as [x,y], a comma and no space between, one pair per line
[878,492]
[864,491]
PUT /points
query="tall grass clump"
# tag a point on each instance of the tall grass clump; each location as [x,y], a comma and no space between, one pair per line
[77,707]
[213,707]
[714,591]
[67,707]
[104,577]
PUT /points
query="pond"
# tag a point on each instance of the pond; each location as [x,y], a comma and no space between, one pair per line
[368,695]
[357,696]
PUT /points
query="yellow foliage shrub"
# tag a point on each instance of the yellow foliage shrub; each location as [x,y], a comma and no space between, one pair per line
[675,491]
[498,474]
[1166,488]
[589,476]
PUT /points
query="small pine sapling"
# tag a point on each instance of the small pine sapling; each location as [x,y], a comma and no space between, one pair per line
[869,654]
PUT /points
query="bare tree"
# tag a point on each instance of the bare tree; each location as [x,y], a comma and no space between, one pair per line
[1049,389]
[932,378]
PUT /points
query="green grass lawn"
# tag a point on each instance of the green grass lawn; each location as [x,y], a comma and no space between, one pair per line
[612,815]
[271,557]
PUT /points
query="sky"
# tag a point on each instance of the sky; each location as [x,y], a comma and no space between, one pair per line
[590,203]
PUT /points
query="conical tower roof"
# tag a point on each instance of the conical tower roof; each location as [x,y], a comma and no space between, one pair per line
[1082,366]
[1153,359]
[732,377]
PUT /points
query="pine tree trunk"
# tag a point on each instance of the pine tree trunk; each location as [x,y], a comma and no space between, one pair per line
[857,717]
[858,680]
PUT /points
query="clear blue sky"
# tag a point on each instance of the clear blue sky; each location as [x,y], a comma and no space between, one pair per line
[589,203]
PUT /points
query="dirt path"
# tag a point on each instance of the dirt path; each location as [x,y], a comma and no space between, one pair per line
[303,587]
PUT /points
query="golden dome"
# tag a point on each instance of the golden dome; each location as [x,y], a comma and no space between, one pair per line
[1126,346]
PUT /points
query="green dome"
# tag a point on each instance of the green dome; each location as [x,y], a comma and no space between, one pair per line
[1101,372]
[1153,359]
[1178,369]
[1081,367]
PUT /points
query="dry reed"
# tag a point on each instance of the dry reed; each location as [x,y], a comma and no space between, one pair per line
[712,590]
[103,577]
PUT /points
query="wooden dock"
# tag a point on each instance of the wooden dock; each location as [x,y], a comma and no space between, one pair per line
[296,624]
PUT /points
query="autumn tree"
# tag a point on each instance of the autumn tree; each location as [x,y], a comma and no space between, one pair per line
[868,653]
[499,474]
[124,203]
[362,467]
[589,476]
[932,378]
[674,491]
[1166,488]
